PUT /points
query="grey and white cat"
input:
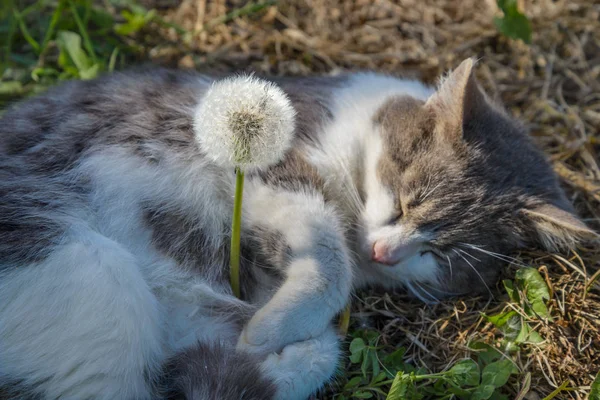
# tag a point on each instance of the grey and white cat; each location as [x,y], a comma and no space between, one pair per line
[114,230]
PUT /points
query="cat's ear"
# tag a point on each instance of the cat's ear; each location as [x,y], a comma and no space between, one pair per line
[457,100]
[555,228]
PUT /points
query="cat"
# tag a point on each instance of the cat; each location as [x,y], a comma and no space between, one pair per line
[114,229]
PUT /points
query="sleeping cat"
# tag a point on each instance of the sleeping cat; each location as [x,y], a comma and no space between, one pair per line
[114,229]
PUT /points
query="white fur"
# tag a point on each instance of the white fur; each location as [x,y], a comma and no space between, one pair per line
[301,368]
[84,323]
[352,142]
[379,205]
[106,307]
[319,276]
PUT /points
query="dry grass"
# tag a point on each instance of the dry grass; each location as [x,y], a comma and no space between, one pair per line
[553,85]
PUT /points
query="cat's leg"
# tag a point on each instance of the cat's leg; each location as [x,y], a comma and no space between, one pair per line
[81,324]
[215,371]
[316,265]
[302,368]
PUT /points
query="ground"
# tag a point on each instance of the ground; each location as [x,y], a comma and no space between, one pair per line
[538,336]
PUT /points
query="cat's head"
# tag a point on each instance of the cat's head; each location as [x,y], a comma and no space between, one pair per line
[453,187]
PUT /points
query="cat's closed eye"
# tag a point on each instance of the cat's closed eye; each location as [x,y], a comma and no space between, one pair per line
[396,217]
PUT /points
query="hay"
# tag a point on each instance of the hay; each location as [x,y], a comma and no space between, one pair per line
[552,85]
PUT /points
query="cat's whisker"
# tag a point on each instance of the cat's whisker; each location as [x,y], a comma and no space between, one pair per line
[435,299]
[450,265]
[356,202]
[442,291]
[416,292]
[475,270]
[502,257]
[470,255]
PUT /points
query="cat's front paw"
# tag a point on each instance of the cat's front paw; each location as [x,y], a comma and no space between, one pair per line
[302,368]
[265,334]
[272,328]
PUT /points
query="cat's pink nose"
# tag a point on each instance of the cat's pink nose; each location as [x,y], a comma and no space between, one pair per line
[381,253]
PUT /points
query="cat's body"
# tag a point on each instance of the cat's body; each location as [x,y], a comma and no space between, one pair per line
[114,230]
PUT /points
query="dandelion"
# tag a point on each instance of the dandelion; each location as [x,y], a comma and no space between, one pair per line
[247,124]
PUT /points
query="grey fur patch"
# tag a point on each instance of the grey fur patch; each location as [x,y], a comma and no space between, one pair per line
[311,98]
[270,246]
[17,392]
[294,173]
[33,213]
[214,372]
[178,234]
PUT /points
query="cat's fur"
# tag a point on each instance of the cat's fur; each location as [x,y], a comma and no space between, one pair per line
[114,229]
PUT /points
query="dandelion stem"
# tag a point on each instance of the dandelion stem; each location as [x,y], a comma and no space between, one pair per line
[236,227]
[345,321]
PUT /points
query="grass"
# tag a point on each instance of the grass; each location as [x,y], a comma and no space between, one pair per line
[539,336]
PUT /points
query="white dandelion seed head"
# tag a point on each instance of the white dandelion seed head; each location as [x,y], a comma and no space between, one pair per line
[244,122]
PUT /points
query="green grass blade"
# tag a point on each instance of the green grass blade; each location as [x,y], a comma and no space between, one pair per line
[83,31]
[557,391]
[248,9]
[113,59]
[32,42]
[53,21]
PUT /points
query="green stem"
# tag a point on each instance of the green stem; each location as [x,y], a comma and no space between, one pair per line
[236,228]
[345,321]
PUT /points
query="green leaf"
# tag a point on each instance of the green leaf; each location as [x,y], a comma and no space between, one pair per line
[89,73]
[135,21]
[375,365]
[354,382]
[378,378]
[462,393]
[364,367]
[483,392]
[37,73]
[362,394]
[70,43]
[399,387]
[513,294]
[101,18]
[508,322]
[513,24]
[595,389]
[498,396]
[464,373]
[528,335]
[11,88]
[497,373]
[356,350]
[536,290]
[489,353]
[395,360]
[500,320]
